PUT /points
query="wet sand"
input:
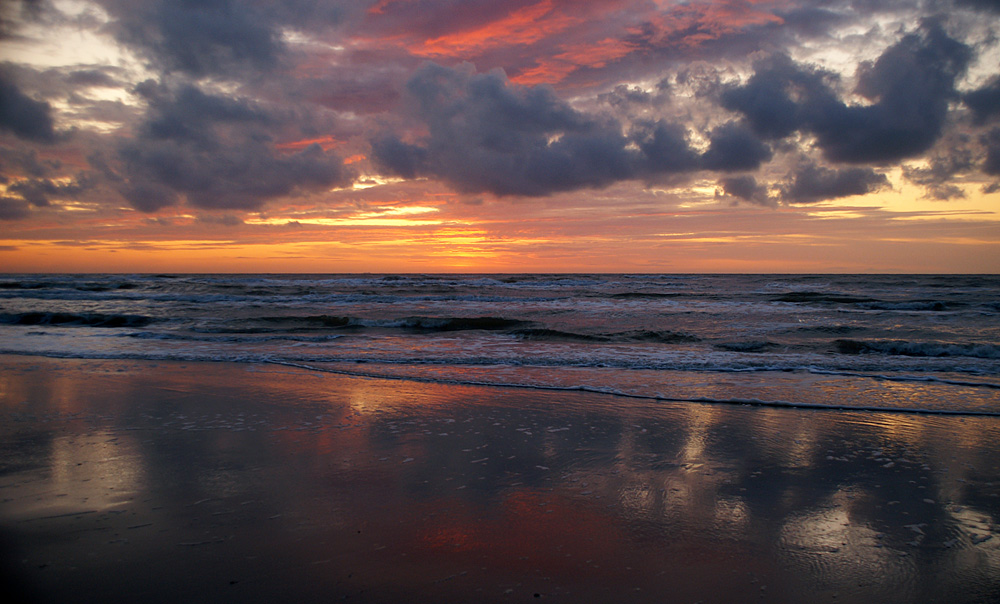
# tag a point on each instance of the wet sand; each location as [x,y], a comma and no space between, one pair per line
[127,481]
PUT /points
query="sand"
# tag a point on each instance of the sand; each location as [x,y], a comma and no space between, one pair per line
[128,481]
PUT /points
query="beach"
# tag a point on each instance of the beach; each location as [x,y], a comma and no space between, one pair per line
[146,481]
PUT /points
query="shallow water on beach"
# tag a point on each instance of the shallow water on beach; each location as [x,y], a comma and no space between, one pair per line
[130,481]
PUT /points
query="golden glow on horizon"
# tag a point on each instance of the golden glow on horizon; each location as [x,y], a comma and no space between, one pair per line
[377,217]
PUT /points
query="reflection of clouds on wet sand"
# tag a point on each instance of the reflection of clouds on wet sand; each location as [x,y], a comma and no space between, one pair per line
[236,483]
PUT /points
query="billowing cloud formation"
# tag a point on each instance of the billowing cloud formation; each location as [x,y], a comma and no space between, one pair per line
[909,87]
[486,134]
[942,168]
[746,188]
[813,183]
[215,152]
[985,101]
[23,116]
[733,147]
[217,37]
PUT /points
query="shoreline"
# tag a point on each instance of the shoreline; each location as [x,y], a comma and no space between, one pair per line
[131,480]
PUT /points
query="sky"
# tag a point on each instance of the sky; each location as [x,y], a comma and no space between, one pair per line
[760,136]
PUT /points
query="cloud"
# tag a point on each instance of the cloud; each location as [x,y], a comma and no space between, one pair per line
[991,140]
[985,101]
[13,208]
[733,147]
[942,168]
[208,37]
[812,183]
[768,101]
[746,188]
[485,134]
[23,116]
[664,147]
[216,152]
[191,115]
[14,12]
[983,5]
[40,191]
[220,38]
[25,162]
[908,86]
[488,135]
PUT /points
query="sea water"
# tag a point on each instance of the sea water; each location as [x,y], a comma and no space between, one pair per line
[911,343]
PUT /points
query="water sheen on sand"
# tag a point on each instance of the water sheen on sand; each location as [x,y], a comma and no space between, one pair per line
[139,481]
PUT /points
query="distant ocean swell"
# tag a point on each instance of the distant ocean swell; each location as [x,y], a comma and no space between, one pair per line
[517,328]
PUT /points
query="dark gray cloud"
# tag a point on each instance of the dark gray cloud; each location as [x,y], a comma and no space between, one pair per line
[991,140]
[191,115]
[215,152]
[23,116]
[40,191]
[486,135]
[983,5]
[199,37]
[947,163]
[733,148]
[985,101]
[909,86]
[812,183]
[746,188]
[665,148]
[25,162]
[13,208]
[771,99]
[223,38]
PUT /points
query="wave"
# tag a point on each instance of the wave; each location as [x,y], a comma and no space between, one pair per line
[557,335]
[62,319]
[753,402]
[647,295]
[748,346]
[917,305]
[918,349]
[234,339]
[812,297]
[295,323]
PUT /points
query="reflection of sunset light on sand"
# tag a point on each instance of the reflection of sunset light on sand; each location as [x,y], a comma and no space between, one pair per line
[829,531]
[97,471]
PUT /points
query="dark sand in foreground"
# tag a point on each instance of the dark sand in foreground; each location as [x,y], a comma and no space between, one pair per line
[127,481]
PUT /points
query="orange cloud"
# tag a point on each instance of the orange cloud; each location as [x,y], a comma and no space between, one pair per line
[521,27]
[327,142]
[580,55]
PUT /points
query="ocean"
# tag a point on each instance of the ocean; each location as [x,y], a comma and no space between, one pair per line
[906,343]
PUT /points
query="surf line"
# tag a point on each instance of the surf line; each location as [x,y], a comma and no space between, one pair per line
[751,402]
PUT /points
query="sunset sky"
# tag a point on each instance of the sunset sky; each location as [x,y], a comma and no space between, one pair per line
[500,136]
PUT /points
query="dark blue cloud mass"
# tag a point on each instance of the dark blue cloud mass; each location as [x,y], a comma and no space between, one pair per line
[23,116]
[488,135]
[909,86]
[812,183]
[215,152]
